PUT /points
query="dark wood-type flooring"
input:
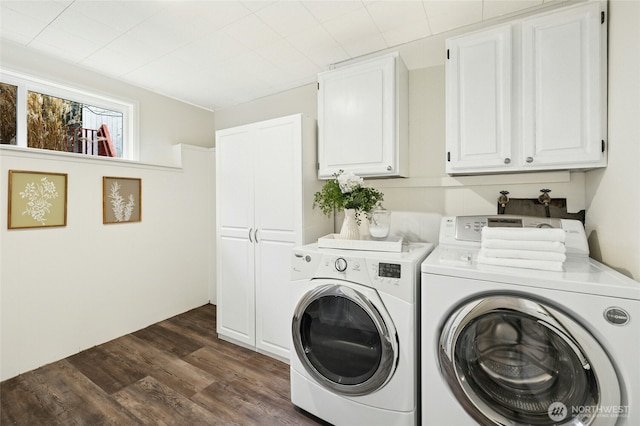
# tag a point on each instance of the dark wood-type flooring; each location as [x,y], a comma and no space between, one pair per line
[175,372]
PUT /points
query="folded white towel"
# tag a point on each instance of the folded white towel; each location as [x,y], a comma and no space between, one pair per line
[552,246]
[545,265]
[524,254]
[524,234]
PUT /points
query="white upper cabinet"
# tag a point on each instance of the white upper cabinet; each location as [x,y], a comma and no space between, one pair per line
[363,119]
[529,95]
[479,93]
[562,99]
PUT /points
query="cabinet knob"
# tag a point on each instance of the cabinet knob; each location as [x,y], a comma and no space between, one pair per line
[529,160]
[389,168]
[507,160]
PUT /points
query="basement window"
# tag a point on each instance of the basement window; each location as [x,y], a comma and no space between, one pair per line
[43,115]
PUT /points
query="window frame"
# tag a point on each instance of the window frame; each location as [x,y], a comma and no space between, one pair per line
[26,83]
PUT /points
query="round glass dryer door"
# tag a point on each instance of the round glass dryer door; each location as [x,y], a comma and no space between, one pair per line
[514,361]
[343,341]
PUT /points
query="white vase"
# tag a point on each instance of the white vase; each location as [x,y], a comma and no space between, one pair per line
[349,230]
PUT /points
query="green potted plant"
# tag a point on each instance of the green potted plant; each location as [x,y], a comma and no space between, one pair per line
[347,192]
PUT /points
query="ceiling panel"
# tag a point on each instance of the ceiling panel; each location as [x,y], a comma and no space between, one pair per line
[218,53]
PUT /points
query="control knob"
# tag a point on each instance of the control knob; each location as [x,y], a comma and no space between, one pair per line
[341,264]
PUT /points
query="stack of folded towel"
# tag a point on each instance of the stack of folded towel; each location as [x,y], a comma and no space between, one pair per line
[532,248]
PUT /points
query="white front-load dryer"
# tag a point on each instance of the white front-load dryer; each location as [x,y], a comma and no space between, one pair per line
[354,334]
[513,346]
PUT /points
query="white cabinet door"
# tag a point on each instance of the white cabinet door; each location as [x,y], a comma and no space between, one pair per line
[362,109]
[259,188]
[235,250]
[278,220]
[562,74]
[478,99]
[529,94]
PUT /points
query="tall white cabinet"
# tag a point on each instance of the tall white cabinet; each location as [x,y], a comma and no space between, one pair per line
[265,181]
[529,94]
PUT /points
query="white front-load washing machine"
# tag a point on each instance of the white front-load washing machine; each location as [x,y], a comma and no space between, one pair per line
[354,334]
[515,346]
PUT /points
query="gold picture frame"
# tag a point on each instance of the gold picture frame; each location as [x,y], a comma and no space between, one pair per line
[121,199]
[37,199]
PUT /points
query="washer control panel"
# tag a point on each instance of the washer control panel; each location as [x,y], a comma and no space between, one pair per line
[392,273]
[388,276]
[352,269]
[468,228]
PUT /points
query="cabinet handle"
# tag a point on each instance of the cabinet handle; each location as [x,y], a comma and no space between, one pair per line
[250,229]
[255,236]
[389,168]
[507,160]
[529,160]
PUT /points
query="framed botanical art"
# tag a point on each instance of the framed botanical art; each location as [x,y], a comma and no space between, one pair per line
[37,199]
[121,199]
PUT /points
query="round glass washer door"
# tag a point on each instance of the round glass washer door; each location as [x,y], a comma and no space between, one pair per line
[343,341]
[511,360]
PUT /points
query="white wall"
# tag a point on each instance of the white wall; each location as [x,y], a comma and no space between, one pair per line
[66,289]
[613,194]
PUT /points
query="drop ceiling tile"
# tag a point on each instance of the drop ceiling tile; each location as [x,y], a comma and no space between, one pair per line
[121,15]
[399,21]
[159,34]
[317,45]
[251,32]
[19,27]
[287,18]
[390,15]
[253,65]
[71,46]
[218,14]
[289,61]
[207,51]
[192,20]
[405,34]
[446,15]
[145,43]
[495,8]
[256,5]
[152,76]
[45,11]
[86,27]
[365,45]
[352,28]
[113,61]
[327,10]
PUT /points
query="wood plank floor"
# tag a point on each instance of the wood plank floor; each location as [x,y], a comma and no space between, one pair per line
[175,372]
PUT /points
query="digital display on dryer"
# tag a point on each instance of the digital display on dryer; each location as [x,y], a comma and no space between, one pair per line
[389,270]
